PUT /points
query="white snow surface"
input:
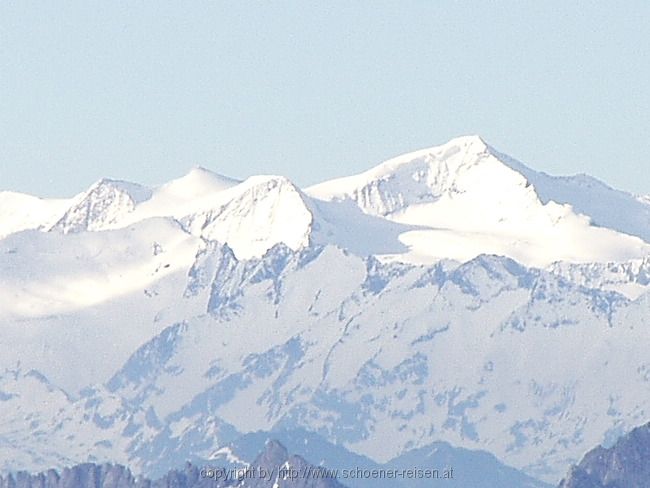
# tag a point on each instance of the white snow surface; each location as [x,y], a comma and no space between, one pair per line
[465,199]
[454,201]
[449,294]
[21,212]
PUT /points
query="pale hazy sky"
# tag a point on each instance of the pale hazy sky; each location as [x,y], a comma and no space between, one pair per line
[144,90]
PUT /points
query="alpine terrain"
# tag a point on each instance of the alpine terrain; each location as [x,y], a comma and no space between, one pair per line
[624,465]
[449,307]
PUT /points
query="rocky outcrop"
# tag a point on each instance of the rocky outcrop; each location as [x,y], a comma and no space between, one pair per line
[625,465]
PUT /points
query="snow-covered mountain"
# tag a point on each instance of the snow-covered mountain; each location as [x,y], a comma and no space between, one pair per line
[457,201]
[466,198]
[449,295]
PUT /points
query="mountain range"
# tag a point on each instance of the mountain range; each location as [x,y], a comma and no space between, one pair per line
[452,295]
[272,468]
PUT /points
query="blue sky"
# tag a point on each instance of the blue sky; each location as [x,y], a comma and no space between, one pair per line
[143,90]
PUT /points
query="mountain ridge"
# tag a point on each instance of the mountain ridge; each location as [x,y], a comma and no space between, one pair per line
[453,201]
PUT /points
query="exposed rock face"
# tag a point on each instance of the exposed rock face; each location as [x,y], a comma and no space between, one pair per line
[273,468]
[86,475]
[625,465]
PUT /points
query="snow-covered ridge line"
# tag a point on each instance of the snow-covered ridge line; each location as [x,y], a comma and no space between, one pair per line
[455,201]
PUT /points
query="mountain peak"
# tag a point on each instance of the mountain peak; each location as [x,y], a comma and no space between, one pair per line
[256,214]
[138,193]
[198,181]
[468,140]
[105,203]
[260,184]
[464,198]
[202,171]
[451,156]
[423,176]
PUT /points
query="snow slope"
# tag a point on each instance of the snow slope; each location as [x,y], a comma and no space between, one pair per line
[21,212]
[606,206]
[77,305]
